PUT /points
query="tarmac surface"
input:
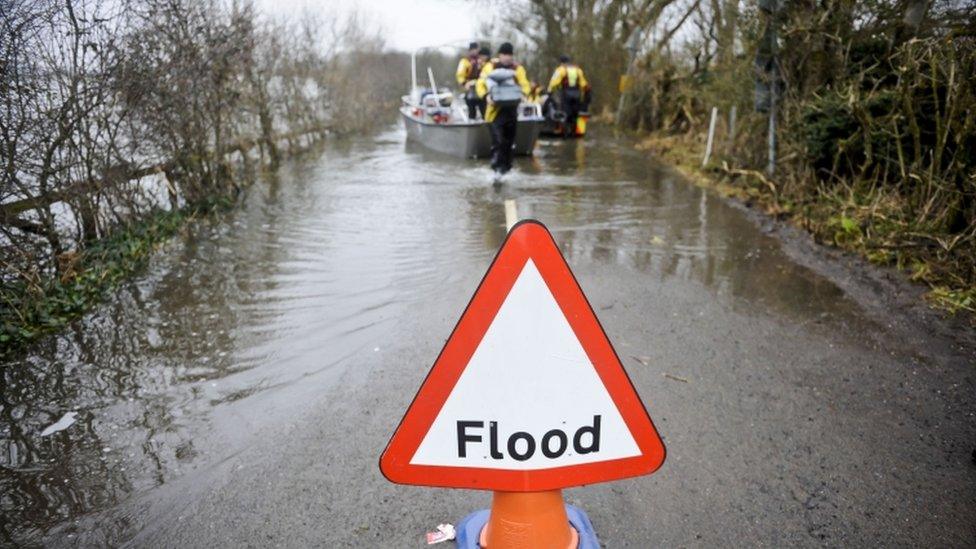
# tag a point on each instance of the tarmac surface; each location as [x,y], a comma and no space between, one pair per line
[241,391]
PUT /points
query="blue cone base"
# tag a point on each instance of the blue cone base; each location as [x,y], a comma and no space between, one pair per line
[469,529]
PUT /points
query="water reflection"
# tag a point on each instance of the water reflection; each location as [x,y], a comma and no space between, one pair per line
[239,323]
[629,210]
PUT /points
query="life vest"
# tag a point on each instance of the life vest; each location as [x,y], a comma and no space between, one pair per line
[474,67]
[571,77]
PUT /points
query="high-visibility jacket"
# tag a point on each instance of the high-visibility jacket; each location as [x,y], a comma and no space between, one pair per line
[482,86]
[467,69]
[568,76]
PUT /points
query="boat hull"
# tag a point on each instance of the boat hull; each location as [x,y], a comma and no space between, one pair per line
[467,139]
[526,135]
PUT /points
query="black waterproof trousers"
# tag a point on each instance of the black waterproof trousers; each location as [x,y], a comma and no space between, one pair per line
[503,138]
[476,107]
[571,106]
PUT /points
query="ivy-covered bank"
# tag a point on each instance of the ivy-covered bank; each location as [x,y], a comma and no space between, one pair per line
[30,308]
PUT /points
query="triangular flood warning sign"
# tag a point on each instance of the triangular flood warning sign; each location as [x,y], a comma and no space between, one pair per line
[527,394]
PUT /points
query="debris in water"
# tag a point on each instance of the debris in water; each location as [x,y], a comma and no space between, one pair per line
[66,421]
[445,532]
[676,378]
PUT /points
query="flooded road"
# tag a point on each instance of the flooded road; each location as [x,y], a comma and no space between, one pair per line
[240,391]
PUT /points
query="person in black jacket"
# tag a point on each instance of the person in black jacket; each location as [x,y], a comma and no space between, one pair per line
[503,118]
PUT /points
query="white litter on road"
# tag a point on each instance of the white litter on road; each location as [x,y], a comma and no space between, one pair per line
[67,420]
[445,532]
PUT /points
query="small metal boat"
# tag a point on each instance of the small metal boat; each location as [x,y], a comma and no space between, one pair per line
[438,120]
[459,136]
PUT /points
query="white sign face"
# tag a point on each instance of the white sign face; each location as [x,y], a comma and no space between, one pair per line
[529,398]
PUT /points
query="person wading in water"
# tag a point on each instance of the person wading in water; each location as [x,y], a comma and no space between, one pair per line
[503,83]
[571,85]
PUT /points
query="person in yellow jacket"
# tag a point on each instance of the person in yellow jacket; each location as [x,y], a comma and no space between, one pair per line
[569,84]
[468,69]
[467,66]
[502,83]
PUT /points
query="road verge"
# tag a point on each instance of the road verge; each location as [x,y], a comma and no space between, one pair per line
[872,227]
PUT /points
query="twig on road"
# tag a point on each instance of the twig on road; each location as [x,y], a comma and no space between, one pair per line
[674,377]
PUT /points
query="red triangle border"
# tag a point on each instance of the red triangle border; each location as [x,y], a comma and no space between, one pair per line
[527,239]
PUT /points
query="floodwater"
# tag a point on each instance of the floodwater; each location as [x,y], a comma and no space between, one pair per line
[243,325]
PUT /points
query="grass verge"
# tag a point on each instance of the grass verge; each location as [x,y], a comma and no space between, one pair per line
[874,223]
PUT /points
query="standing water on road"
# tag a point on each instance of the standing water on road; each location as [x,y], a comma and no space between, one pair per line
[331,289]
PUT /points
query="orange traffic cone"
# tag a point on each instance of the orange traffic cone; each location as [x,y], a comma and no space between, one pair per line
[524,520]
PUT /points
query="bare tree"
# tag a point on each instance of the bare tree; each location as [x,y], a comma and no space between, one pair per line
[99,96]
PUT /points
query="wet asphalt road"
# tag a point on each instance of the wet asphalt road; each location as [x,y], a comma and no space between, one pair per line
[241,391]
